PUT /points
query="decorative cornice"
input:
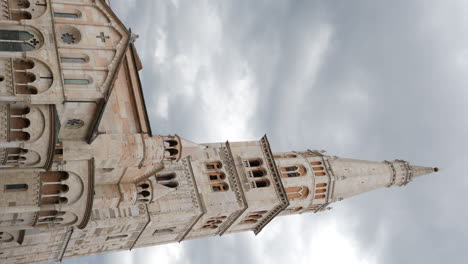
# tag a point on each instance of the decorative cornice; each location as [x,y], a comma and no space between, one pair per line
[277,183]
[236,186]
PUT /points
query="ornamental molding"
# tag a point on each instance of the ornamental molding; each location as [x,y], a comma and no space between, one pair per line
[277,183]
[235,182]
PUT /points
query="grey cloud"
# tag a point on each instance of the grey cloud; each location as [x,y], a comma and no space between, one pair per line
[399,59]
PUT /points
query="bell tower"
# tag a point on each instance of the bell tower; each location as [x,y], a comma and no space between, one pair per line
[313,180]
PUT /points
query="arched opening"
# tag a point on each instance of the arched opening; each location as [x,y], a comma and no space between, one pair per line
[171,184]
[20,15]
[165,177]
[19,123]
[23,64]
[320,173]
[320,191]
[19,111]
[262,183]
[172,152]
[171,143]
[54,176]
[253,163]
[258,173]
[24,77]
[144,186]
[26,89]
[218,176]
[18,4]
[19,136]
[219,187]
[320,196]
[318,168]
[319,185]
[315,163]
[144,193]
[214,165]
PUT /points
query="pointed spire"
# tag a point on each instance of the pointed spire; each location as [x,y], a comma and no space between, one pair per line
[420,171]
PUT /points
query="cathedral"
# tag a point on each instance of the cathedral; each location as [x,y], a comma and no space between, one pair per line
[81,172]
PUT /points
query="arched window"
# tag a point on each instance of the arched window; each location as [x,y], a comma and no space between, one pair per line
[54,176]
[172,152]
[214,165]
[144,186]
[257,173]
[219,187]
[253,163]
[297,192]
[171,142]
[318,168]
[315,163]
[171,184]
[261,183]
[216,176]
[144,193]
[165,177]
[260,212]
[320,196]
[320,191]
[293,171]
[319,185]
[17,40]
[320,173]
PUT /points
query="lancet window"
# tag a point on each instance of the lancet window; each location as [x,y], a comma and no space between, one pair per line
[293,171]
[300,192]
[320,190]
[318,168]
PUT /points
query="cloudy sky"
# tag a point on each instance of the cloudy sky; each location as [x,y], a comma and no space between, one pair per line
[364,79]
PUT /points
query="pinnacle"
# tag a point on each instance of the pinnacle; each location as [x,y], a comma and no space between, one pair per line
[420,171]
